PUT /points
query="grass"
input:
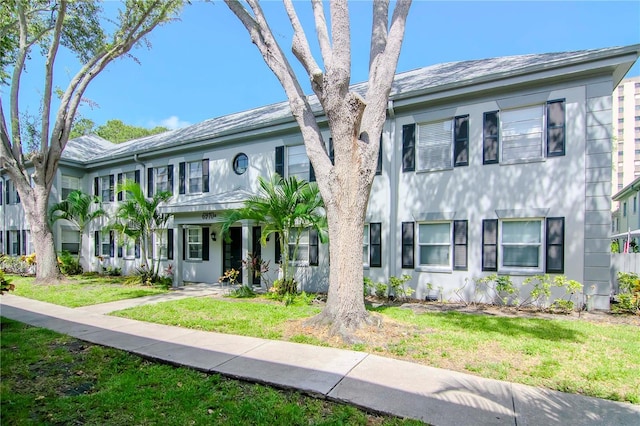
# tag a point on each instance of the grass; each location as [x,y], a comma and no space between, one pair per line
[246,318]
[48,378]
[600,360]
[81,290]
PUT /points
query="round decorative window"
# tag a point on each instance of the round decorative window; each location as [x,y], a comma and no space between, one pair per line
[240,163]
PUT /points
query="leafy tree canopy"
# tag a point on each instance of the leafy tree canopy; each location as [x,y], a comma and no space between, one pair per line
[113,130]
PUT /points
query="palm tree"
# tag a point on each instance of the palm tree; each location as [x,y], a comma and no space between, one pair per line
[138,218]
[284,207]
[77,209]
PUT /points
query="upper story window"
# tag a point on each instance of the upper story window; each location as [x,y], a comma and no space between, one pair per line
[520,134]
[159,179]
[438,145]
[104,188]
[240,163]
[624,209]
[194,177]
[298,163]
[69,184]
[132,176]
[11,193]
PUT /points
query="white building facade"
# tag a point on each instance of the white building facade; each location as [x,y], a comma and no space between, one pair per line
[488,166]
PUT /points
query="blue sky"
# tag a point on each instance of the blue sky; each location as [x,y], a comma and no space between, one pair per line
[205,66]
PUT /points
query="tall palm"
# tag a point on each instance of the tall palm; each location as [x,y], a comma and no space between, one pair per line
[80,209]
[284,207]
[138,218]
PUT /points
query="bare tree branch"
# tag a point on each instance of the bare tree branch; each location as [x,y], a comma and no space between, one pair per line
[300,48]
[322,31]
[379,29]
[340,66]
[48,79]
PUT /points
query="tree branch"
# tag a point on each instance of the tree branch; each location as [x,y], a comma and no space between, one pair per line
[379,29]
[48,79]
[301,50]
[322,31]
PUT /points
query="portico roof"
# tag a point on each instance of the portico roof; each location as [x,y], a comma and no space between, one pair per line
[206,202]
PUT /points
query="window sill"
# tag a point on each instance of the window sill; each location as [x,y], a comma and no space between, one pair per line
[523,161]
[437,269]
[520,271]
[444,169]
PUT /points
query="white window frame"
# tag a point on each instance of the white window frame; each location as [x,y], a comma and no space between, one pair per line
[441,267]
[68,184]
[129,248]
[194,239]
[160,245]
[127,176]
[540,244]
[366,246]
[105,189]
[13,192]
[105,244]
[298,152]
[194,177]
[14,244]
[161,179]
[511,137]
[69,235]
[435,137]
[301,259]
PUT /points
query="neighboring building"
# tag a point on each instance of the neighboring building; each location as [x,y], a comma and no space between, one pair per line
[626,133]
[498,165]
[628,217]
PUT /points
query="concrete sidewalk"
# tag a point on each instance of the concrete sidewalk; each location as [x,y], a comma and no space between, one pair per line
[435,396]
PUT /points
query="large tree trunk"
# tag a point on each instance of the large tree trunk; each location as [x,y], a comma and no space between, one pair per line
[35,207]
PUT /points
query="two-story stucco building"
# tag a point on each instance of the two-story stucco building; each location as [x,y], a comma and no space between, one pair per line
[497,165]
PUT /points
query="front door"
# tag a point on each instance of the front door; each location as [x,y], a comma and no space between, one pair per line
[232,252]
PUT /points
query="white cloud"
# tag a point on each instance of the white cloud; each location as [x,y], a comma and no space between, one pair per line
[171,123]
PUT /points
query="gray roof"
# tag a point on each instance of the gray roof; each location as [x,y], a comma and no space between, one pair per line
[423,80]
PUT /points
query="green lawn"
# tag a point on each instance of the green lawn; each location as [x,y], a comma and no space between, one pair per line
[600,360]
[81,290]
[48,378]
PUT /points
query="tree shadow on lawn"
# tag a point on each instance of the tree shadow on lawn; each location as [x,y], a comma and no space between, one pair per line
[538,328]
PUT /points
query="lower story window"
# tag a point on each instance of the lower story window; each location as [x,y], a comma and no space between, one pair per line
[302,252]
[105,243]
[194,244]
[70,241]
[521,244]
[160,244]
[434,244]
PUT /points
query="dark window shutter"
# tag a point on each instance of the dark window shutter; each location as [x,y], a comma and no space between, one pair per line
[555,245]
[111,244]
[136,176]
[8,242]
[407,244]
[312,173]
[205,243]
[555,128]
[375,245]
[170,244]
[96,186]
[332,155]
[490,143]
[408,148]
[170,177]
[461,141]
[184,243]
[24,242]
[119,185]
[119,250]
[205,175]
[490,245]
[278,249]
[313,247]
[1,240]
[137,248]
[181,177]
[1,193]
[96,245]
[379,165]
[150,182]
[280,160]
[112,185]
[460,241]
[17,196]
[7,193]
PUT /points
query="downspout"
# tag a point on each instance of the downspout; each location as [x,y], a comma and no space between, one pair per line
[392,259]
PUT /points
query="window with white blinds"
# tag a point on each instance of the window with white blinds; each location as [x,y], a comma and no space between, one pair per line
[434,145]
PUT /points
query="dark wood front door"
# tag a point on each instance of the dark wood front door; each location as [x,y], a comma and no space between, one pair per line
[232,252]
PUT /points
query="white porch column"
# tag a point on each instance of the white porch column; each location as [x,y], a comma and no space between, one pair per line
[246,242]
[178,279]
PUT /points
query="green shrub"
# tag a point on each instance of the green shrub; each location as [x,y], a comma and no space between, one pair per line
[282,287]
[17,265]
[629,293]
[381,290]
[69,264]
[397,285]
[5,283]
[243,292]
[367,286]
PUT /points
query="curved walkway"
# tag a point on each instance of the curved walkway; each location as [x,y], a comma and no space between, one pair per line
[384,385]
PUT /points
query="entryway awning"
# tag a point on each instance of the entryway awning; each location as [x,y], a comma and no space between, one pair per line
[206,202]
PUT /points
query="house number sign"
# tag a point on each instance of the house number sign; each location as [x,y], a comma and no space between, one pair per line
[208,215]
